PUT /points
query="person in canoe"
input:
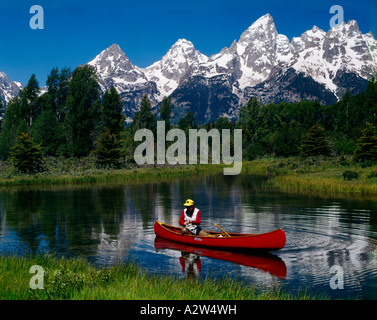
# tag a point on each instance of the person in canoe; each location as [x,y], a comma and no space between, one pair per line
[190,220]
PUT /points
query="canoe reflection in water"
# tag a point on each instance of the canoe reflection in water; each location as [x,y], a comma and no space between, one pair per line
[190,258]
[190,263]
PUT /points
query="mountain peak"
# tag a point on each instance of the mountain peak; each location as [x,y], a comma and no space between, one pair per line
[345,28]
[112,58]
[168,72]
[113,51]
[114,46]
[8,89]
[183,43]
[263,22]
[181,52]
[265,19]
[315,34]
[181,47]
[263,28]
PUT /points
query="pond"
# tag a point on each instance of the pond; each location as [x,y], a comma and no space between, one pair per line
[326,237]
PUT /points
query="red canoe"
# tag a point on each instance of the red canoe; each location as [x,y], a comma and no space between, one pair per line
[269,241]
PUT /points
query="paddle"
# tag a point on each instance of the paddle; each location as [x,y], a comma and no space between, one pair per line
[222,230]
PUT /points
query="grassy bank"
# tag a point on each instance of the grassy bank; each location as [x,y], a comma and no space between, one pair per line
[321,176]
[85,171]
[76,279]
[317,175]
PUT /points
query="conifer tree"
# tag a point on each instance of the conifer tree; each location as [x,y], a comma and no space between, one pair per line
[47,128]
[108,149]
[367,144]
[58,91]
[314,142]
[145,119]
[83,111]
[188,122]
[112,116]
[49,132]
[248,120]
[29,98]
[165,111]
[13,124]
[26,156]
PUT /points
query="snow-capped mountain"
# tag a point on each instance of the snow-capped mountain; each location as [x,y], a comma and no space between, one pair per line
[262,54]
[116,70]
[252,58]
[317,65]
[343,49]
[8,89]
[168,72]
[263,63]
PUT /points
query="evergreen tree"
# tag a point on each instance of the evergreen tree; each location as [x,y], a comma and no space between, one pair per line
[83,111]
[367,144]
[112,116]
[145,119]
[47,128]
[48,132]
[53,81]
[26,156]
[58,91]
[369,107]
[250,123]
[19,115]
[314,142]
[165,111]
[249,119]
[14,123]
[108,150]
[223,123]
[188,122]
[29,97]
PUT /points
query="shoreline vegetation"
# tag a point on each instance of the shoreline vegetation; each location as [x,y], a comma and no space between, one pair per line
[316,175]
[76,279]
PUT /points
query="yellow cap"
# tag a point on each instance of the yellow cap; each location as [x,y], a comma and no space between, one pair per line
[189,203]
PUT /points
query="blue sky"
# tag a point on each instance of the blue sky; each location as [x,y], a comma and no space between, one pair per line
[75,31]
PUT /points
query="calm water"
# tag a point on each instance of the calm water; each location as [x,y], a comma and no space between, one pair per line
[112,224]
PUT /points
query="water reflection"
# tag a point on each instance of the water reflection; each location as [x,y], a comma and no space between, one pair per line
[190,255]
[108,224]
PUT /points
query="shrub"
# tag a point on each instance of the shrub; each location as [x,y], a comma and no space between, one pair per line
[108,149]
[314,142]
[350,175]
[343,161]
[366,163]
[372,174]
[367,144]
[26,156]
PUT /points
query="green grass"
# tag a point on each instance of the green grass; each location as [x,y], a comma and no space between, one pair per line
[61,171]
[76,279]
[318,175]
[321,176]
